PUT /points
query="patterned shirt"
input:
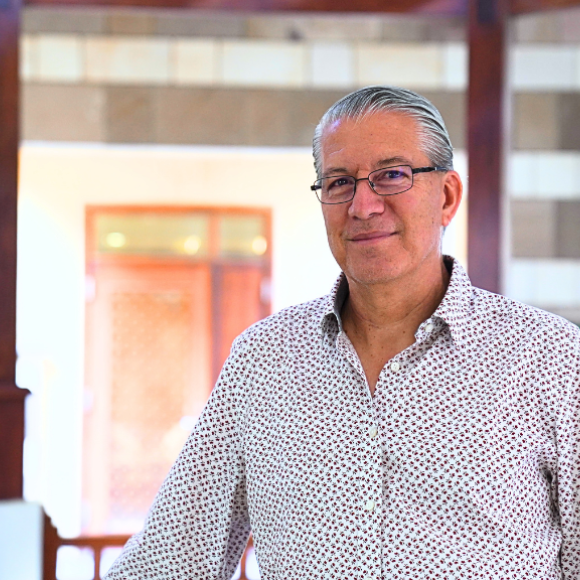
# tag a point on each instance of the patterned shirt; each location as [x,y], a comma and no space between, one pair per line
[464,465]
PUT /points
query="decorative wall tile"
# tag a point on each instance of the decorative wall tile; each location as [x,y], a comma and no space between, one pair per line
[331,65]
[557,283]
[199,23]
[568,25]
[130,115]
[60,58]
[521,281]
[201,116]
[558,175]
[452,106]
[307,107]
[533,228]
[139,22]
[404,28]
[538,27]
[521,175]
[455,66]
[196,61]
[568,229]
[558,26]
[545,283]
[536,121]
[447,29]
[265,63]
[62,113]
[408,65]
[28,58]
[544,175]
[315,27]
[268,116]
[61,20]
[543,67]
[127,60]
[567,122]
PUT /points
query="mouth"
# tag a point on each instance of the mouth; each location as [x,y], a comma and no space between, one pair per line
[370,237]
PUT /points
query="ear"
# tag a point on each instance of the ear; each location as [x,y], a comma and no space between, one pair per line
[451,195]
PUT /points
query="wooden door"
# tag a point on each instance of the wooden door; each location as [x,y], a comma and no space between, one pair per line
[240,298]
[172,288]
[149,376]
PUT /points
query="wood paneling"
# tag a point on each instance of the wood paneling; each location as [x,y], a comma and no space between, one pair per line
[527,6]
[486,100]
[11,438]
[237,304]
[439,7]
[11,398]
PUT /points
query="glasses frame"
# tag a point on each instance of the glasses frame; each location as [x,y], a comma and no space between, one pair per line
[318,185]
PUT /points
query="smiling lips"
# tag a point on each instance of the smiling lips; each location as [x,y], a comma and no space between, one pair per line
[370,237]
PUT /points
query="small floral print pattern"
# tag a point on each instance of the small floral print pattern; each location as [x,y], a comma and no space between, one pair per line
[464,465]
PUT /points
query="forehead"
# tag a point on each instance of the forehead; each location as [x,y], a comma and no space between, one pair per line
[366,142]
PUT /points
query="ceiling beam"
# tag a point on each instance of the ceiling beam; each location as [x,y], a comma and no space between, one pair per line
[429,7]
[529,6]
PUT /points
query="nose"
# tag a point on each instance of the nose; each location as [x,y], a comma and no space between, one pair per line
[366,202]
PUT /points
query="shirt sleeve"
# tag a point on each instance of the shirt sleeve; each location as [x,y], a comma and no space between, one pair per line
[568,441]
[198,525]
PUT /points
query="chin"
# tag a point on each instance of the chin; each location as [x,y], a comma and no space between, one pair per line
[368,274]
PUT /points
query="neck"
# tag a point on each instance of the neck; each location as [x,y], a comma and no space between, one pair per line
[397,306]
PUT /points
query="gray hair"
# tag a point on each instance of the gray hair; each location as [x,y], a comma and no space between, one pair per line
[433,134]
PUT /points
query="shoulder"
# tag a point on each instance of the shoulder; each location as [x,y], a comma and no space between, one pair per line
[283,326]
[503,316]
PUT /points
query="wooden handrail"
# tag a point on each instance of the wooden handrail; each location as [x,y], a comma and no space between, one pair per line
[52,542]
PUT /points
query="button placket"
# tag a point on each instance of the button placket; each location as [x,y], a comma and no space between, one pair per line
[371,494]
[388,416]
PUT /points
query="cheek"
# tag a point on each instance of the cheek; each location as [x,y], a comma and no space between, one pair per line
[422,219]
[333,222]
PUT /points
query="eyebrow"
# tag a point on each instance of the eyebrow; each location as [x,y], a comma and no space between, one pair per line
[380,164]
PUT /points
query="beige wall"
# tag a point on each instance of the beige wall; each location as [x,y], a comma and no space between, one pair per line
[57,182]
[136,107]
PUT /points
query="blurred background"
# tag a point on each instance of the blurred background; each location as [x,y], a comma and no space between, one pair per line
[164,206]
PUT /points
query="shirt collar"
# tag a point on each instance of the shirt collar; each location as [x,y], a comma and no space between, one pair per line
[454,310]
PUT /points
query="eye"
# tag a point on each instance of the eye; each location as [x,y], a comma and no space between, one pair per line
[390,175]
[338,182]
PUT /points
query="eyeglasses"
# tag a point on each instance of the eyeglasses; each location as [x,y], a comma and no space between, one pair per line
[386,181]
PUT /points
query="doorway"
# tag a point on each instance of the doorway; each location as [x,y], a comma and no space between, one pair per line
[168,289]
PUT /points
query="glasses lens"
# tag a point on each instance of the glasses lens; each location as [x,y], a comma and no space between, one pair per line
[337,189]
[392,180]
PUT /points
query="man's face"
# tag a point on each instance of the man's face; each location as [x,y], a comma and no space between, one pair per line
[376,238]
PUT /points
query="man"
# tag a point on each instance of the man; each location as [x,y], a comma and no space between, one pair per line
[406,426]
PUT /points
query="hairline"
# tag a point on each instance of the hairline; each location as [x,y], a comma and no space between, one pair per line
[364,114]
[434,139]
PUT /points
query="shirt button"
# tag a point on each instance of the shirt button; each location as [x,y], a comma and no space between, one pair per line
[395,366]
[373,431]
[429,327]
[370,505]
